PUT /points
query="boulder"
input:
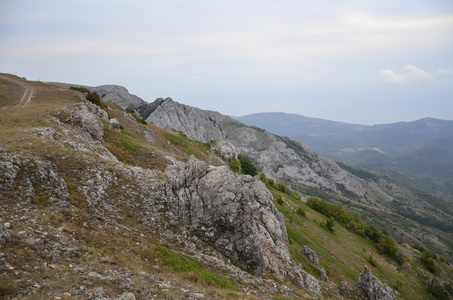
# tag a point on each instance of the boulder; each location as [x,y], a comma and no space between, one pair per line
[114,124]
[310,254]
[370,287]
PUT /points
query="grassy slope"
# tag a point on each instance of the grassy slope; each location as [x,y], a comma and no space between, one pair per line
[344,254]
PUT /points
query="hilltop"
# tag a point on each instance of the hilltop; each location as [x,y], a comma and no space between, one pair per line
[99,203]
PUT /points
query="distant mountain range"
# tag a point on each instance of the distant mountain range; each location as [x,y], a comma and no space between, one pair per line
[423,147]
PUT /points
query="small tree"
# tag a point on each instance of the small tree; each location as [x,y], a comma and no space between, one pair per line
[247,166]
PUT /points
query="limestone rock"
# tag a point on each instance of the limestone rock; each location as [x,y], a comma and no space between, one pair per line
[224,149]
[5,235]
[323,274]
[119,95]
[370,287]
[9,167]
[310,254]
[115,124]
[203,126]
[235,213]
[278,157]
[86,116]
[306,280]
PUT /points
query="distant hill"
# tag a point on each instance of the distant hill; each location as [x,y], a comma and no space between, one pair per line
[423,147]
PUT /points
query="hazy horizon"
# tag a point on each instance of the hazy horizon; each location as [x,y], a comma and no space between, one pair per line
[373,62]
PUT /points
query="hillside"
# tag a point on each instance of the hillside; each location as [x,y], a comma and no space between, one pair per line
[96,203]
[422,147]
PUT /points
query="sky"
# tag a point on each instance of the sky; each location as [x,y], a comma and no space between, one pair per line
[365,62]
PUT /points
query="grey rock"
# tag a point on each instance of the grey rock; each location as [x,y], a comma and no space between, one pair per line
[323,274]
[370,287]
[306,280]
[235,213]
[224,149]
[203,126]
[86,116]
[9,167]
[114,123]
[310,254]
[197,296]
[5,235]
[118,95]
[127,296]
[278,157]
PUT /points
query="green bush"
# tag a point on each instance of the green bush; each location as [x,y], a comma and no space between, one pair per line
[235,164]
[301,212]
[280,200]
[247,166]
[79,89]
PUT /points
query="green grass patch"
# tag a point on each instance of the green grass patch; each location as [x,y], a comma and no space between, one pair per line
[182,263]
[128,144]
[178,140]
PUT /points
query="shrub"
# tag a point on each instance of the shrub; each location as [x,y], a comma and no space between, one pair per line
[280,200]
[329,224]
[247,166]
[301,212]
[372,262]
[79,89]
[235,164]
[94,98]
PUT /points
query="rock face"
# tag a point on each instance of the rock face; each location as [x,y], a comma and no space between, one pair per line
[5,235]
[197,124]
[370,287]
[235,213]
[278,157]
[119,95]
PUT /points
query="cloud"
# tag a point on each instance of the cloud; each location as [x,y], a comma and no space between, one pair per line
[416,73]
[412,73]
[390,75]
[443,71]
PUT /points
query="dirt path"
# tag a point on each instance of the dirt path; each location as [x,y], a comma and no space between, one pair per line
[29,91]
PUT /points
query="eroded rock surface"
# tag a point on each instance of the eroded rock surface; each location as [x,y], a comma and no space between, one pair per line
[370,287]
[233,212]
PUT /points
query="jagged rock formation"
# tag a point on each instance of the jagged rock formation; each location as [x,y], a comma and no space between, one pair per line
[200,125]
[370,287]
[235,213]
[278,157]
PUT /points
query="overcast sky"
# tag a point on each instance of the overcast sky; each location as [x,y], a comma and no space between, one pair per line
[366,62]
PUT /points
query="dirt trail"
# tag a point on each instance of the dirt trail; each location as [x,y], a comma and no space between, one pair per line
[29,91]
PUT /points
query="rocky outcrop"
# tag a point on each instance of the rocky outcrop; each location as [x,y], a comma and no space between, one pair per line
[85,116]
[197,124]
[233,212]
[5,235]
[310,254]
[119,95]
[9,167]
[370,287]
[278,157]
